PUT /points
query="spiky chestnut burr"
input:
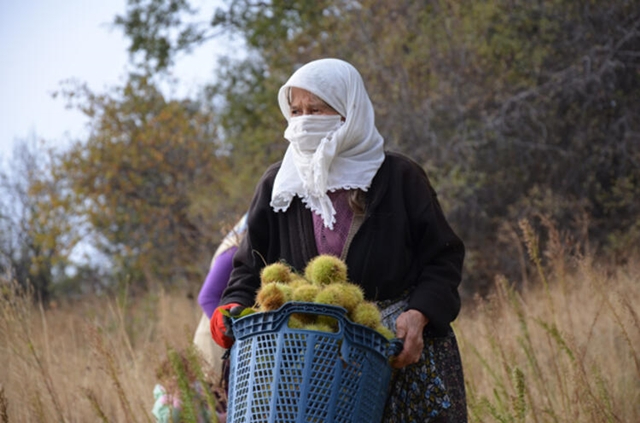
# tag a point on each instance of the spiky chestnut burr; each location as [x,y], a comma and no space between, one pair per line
[367,314]
[276,272]
[273,295]
[326,269]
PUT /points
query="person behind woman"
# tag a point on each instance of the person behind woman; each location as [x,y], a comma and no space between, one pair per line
[169,393]
[211,292]
[337,191]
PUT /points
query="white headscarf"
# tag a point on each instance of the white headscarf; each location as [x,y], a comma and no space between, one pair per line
[348,158]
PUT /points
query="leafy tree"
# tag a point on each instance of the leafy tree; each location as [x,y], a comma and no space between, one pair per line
[515,108]
[150,24]
[244,89]
[562,141]
[37,236]
[135,177]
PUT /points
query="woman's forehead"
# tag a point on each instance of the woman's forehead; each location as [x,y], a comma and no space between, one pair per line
[298,94]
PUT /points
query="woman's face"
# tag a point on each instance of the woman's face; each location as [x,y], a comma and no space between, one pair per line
[305,103]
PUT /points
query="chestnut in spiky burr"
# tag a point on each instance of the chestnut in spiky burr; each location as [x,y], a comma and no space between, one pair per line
[345,295]
[276,272]
[326,269]
[273,295]
[367,314]
[306,292]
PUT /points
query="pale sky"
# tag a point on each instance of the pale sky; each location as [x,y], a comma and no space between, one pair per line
[44,42]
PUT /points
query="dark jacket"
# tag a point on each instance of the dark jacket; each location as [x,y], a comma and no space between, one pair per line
[404,244]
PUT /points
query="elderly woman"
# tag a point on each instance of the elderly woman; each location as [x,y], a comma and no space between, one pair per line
[336,191]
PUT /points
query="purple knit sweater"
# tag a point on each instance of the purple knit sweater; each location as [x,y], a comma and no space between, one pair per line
[332,241]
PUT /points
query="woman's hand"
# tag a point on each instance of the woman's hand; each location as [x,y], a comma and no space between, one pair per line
[409,326]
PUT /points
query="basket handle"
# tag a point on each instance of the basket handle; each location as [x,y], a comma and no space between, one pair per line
[279,317]
[293,307]
[395,347]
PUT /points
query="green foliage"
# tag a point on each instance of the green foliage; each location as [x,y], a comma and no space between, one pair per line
[497,99]
[516,109]
[37,235]
[132,180]
[251,122]
[150,24]
[184,377]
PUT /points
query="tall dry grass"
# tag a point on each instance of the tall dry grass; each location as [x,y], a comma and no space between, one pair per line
[565,349]
[93,360]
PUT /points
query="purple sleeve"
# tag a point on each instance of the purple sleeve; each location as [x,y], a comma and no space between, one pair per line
[216,281]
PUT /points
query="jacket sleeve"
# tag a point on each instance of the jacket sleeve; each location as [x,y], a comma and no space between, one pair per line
[440,255]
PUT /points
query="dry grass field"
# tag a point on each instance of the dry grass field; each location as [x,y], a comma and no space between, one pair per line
[567,350]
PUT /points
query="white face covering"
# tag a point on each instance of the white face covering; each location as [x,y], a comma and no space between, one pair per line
[326,154]
[312,149]
[305,133]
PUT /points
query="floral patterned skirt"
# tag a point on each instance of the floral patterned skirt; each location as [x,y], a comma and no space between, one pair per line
[431,390]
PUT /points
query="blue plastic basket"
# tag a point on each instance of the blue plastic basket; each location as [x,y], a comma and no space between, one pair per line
[284,375]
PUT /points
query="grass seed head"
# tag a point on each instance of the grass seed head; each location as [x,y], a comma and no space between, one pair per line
[326,269]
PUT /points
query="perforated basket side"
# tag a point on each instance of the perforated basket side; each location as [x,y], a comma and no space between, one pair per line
[285,375]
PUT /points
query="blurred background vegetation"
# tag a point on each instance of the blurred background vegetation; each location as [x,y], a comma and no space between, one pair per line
[516,109]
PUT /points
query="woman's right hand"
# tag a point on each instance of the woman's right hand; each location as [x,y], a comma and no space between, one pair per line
[409,328]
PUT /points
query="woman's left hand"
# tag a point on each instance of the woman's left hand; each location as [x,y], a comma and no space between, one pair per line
[409,327]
